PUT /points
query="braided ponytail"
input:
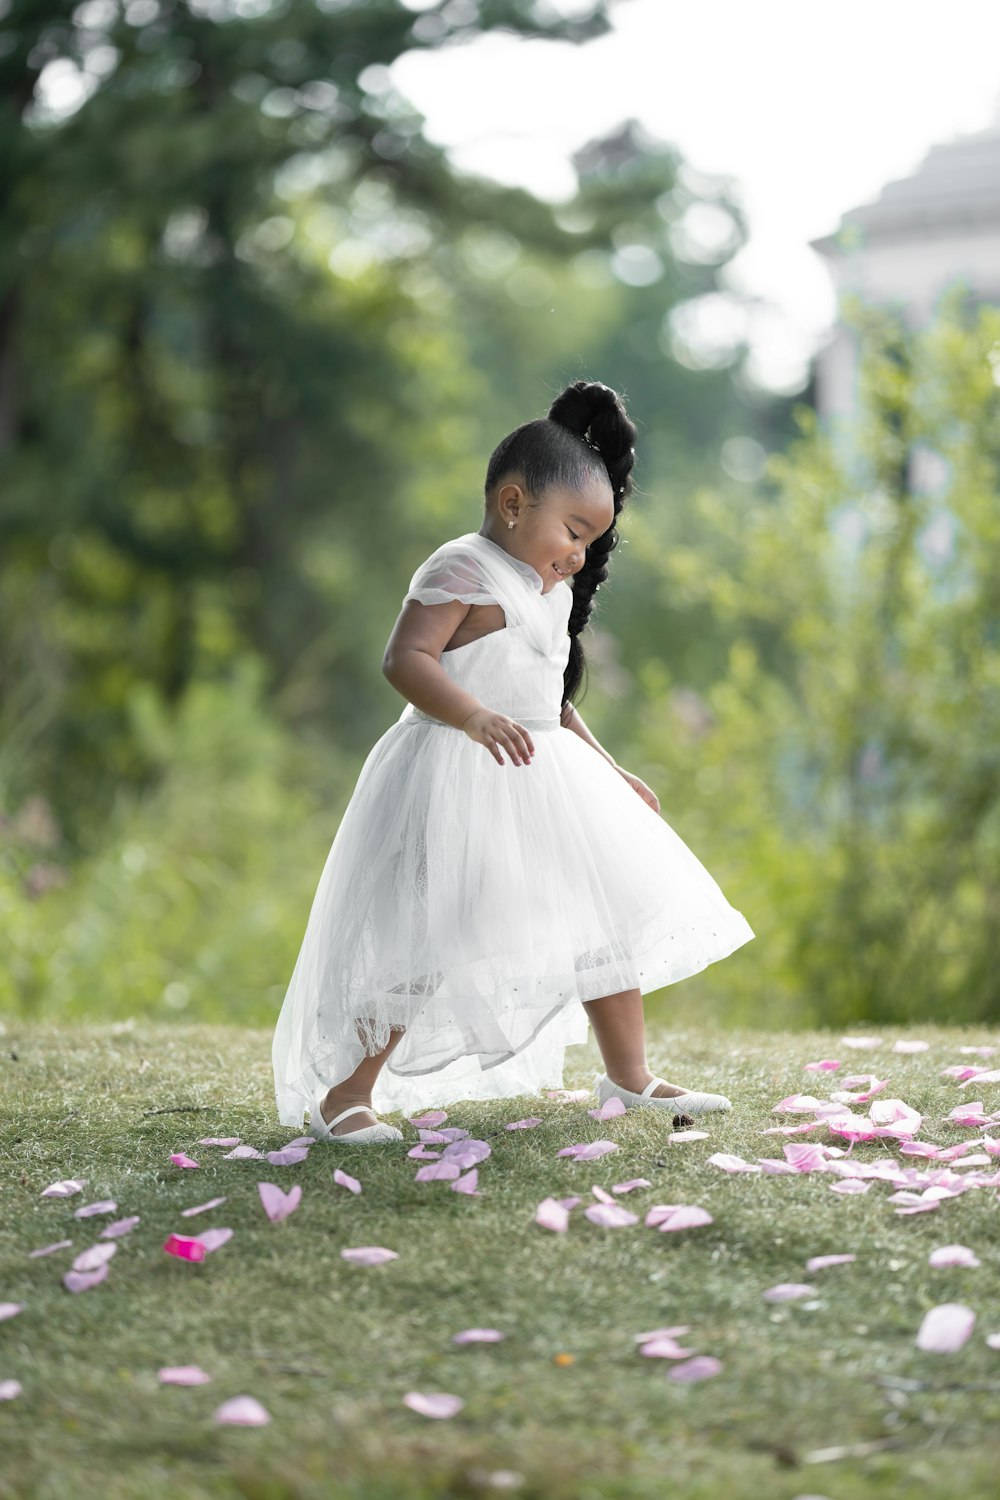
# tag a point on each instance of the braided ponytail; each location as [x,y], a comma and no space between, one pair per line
[596,414]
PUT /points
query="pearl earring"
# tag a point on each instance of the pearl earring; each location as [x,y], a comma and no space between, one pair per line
[509,525]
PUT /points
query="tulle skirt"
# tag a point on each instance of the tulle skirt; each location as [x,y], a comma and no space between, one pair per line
[477,905]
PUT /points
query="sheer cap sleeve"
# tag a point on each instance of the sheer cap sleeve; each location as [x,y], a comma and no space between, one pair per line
[452,573]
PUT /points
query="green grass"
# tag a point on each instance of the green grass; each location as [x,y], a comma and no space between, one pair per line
[330,1347]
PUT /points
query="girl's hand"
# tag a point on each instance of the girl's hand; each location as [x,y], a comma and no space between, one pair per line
[640,786]
[492,729]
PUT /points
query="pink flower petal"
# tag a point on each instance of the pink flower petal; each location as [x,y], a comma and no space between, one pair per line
[49,1249]
[609,1109]
[244,1153]
[468,1183]
[686,1135]
[633,1182]
[438,1171]
[183,1375]
[181,1159]
[213,1238]
[862,1043]
[478,1336]
[9,1389]
[806,1156]
[344,1179]
[910,1046]
[244,1411]
[82,1281]
[825,1064]
[953,1255]
[119,1227]
[849,1185]
[600,1194]
[64,1189]
[700,1368]
[678,1216]
[200,1208]
[423,1153]
[277,1203]
[945,1328]
[10,1310]
[184,1247]
[588,1151]
[467,1153]
[105,1206]
[820,1262]
[993,1339]
[729,1163]
[528,1124]
[569,1202]
[429,1118]
[369,1255]
[978,1051]
[610,1215]
[94,1256]
[219,1140]
[993,1076]
[674,1331]
[664,1347]
[797,1103]
[288,1156]
[438,1404]
[788,1291]
[551,1215]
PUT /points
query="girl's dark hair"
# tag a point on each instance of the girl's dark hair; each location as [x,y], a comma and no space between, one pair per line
[587,431]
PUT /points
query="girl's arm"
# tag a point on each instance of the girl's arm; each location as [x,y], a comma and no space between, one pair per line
[570,719]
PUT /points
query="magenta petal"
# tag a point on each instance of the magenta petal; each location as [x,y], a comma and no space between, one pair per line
[119,1227]
[106,1206]
[953,1255]
[183,1375]
[664,1347]
[213,1238]
[184,1247]
[438,1404]
[9,1389]
[219,1140]
[344,1179]
[633,1182]
[819,1262]
[10,1310]
[683,1216]
[181,1159]
[438,1171]
[369,1255]
[610,1215]
[700,1368]
[423,1153]
[730,1163]
[429,1118]
[244,1153]
[601,1194]
[825,1065]
[468,1183]
[478,1336]
[787,1291]
[849,1185]
[65,1189]
[910,1046]
[993,1339]
[288,1156]
[609,1109]
[48,1249]
[94,1256]
[82,1281]
[945,1328]
[527,1124]
[278,1204]
[200,1208]
[552,1215]
[245,1411]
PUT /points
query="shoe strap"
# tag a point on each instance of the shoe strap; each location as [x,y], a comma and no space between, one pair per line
[353,1110]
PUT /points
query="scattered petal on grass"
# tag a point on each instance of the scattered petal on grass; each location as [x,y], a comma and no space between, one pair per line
[277,1203]
[200,1208]
[119,1227]
[700,1368]
[825,1065]
[438,1171]
[467,1184]
[49,1249]
[861,1042]
[244,1153]
[183,1375]
[945,1328]
[437,1404]
[993,1339]
[569,1096]
[662,1333]
[588,1150]
[288,1156]
[64,1189]
[569,1202]
[9,1389]
[478,1336]
[664,1346]
[219,1140]
[894,1112]
[687,1135]
[82,1281]
[993,1076]
[552,1215]
[344,1179]
[94,1256]
[609,1109]
[369,1255]
[601,1195]
[610,1215]
[729,1163]
[181,1159]
[910,1046]
[423,1153]
[978,1051]
[467,1153]
[797,1104]
[953,1255]
[301,1140]
[244,1411]
[633,1182]
[820,1262]
[105,1206]
[848,1185]
[788,1291]
[184,1247]
[430,1118]
[10,1310]
[528,1124]
[670,1216]
[213,1238]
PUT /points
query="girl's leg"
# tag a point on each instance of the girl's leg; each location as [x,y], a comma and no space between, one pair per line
[357,1089]
[619,1026]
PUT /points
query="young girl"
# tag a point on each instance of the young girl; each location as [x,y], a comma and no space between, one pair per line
[476,912]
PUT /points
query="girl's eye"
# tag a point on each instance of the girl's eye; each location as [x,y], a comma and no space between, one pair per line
[572,533]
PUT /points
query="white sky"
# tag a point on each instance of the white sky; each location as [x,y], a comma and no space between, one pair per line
[811,108]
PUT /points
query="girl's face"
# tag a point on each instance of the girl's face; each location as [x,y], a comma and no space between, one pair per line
[553,536]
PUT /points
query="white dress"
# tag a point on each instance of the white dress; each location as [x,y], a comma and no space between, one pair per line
[478,904]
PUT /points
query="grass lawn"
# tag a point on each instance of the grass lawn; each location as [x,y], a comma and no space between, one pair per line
[824,1396]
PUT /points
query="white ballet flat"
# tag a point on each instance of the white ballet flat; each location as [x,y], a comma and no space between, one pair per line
[689,1103]
[322,1131]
